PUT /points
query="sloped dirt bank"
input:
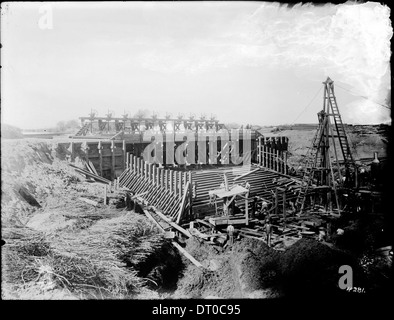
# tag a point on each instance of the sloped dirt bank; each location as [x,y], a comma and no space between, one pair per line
[253,270]
[59,247]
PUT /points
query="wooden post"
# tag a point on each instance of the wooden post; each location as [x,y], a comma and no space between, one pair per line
[99,147]
[268,158]
[124,155]
[259,151]
[247,208]
[175,184]
[146,170]
[158,176]
[180,184]
[154,172]
[127,159]
[267,162]
[137,166]
[142,167]
[87,152]
[166,179]
[113,159]
[190,194]
[72,151]
[134,163]
[284,207]
[285,162]
[185,178]
[171,181]
[162,177]
[277,160]
[150,172]
[105,194]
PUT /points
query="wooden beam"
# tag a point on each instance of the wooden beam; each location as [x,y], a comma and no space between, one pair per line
[246,174]
[124,154]
[173,224]
[183,203]
[149,216]
[180,184]
[171,181]
[113,159]
[187,255]
[162,178]
[166,179]
[99,147]
[105,194]
[92,202]
[175,183]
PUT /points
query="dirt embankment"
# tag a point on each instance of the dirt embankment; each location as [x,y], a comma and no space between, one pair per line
[250,269]
[59,247]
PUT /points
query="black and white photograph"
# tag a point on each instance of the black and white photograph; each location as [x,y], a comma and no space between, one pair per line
[208,151]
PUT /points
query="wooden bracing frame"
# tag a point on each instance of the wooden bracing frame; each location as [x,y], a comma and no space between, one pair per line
[168,190]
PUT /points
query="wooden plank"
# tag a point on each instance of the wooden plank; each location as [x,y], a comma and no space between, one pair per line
[252,232]
[158,171]
[251,237]
[206,223]
[225,220]
[100,150]
[93,168]
[180,193]
[171,181]
[166,179]
[173,224]
[92,175]
[197,233]
[183,203]
[92,202]
[146,171]
[187,255]
[113,159]
[175,184]
[124,154]
[149,216]
[105,194]
[162,178]
[246,174]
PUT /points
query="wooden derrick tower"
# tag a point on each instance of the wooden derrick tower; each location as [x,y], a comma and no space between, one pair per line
[322,175]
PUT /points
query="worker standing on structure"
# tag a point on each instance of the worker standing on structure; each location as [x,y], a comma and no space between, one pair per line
[268,231]
[230,232]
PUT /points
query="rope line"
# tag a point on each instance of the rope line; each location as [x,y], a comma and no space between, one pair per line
[361,96]
[313,99]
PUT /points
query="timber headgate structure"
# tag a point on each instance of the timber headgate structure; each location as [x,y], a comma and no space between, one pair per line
[181,191]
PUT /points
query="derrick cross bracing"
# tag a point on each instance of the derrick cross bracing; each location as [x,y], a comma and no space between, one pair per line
[319,169]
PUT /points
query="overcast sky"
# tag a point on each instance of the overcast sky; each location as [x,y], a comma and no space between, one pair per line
[246,62]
